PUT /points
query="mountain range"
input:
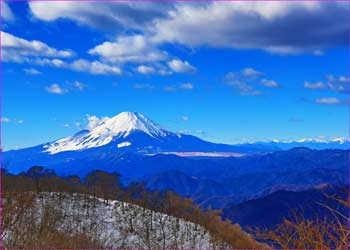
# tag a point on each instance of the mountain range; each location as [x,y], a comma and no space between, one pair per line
[212,174]
[266,212]
[128,132]
[314,143]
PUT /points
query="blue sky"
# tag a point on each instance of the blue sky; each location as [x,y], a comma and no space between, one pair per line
[226,72]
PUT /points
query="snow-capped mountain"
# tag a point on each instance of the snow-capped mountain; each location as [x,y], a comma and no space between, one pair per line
[133,132]
[108,142]
[117,128]
[313,143]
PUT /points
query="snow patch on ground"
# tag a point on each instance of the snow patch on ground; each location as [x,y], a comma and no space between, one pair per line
[123,225]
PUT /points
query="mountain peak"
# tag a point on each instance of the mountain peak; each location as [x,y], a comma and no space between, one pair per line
[127,122]
[108,130]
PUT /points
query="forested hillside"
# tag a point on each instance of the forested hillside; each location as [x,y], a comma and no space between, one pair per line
[41,209]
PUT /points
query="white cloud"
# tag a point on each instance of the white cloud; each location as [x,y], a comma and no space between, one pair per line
[185,118]
[250,72]
[181,66]
[32,71]
[94,121]
[314,85]
[328,100]
[270,83]
[56,89]
[188,86]
[6,12]
[58,63]
[270,26]
[114,17]
[145,70]
[134,48]
[16,49]
[66,125]
[140,49]
[81,65]
[94,67]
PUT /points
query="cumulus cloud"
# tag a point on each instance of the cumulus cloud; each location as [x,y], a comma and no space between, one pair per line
[94,67]
[146,70]
[6,12]
[181,66]
[276,27]
[81,65]
[134,48]
[140,49]
[56,89]
[16,49]
[94,121]
[270,26]
[185,118]
[114,17]
[32,71]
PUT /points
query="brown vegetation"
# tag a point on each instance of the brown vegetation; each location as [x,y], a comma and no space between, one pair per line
[321,233]
[26,225]
[155,217]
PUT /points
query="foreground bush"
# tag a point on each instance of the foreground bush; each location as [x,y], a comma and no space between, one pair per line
[329,232]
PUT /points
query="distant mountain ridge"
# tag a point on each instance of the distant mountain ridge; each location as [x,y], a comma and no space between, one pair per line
[268,211]
[313,143]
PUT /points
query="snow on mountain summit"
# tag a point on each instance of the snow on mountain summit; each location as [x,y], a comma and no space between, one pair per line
[126,122]
[119,126]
